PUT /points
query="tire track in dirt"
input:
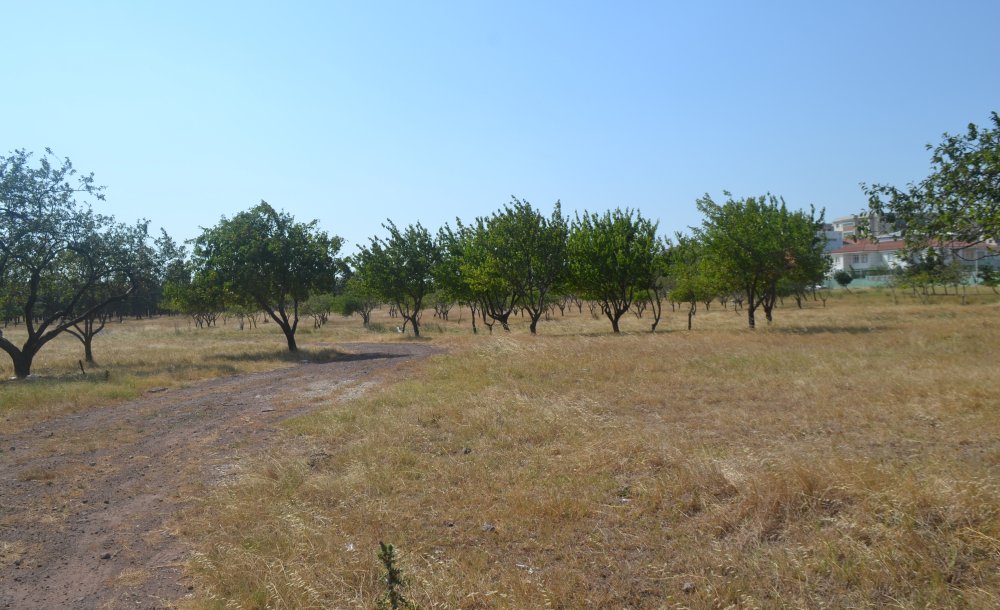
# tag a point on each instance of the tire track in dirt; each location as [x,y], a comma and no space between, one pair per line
[86,499]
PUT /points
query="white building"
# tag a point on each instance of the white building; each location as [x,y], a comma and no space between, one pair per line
[848,226]
[862,256]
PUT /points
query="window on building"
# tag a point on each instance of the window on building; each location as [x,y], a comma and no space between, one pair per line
[855,259]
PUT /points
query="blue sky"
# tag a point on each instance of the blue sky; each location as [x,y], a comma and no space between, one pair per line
[351,113]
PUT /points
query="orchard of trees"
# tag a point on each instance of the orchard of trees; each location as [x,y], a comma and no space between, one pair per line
[65,268]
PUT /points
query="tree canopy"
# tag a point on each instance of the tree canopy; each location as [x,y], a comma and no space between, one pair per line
[515,258]
[59,261]
[263,257]
[751,244]
[613,259]
[692,282]
[401,269]
[958,202]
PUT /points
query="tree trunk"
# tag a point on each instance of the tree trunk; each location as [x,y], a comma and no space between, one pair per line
[22,364]
[534,321]
[88,351]
[752,304]
[615,317]
[656,304]
[290,337]
[85,331]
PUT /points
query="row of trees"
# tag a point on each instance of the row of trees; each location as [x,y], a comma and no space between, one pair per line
[520,259]
[65,268]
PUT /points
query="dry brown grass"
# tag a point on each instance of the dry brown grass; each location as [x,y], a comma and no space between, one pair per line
[845,457]
[139,355]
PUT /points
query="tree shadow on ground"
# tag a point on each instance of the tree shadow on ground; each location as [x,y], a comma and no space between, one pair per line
[307,356]
[829,329]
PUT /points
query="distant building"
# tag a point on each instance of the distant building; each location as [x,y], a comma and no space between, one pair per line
[834,238]
[867,258]
[863,255]
[849,226]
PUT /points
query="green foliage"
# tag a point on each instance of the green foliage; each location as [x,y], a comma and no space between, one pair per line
[264,258]
[401,269]
[514,258]
[988,276]
[392,579]
[932,269]
[693,282]
[60,263]
[358,298]
[318,307]
[958,201]
[613,259]
[449,277]
[751,244]
[201,296]
[843,278]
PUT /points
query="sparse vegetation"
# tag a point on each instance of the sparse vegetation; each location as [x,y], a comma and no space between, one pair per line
[802,465]
[846,457]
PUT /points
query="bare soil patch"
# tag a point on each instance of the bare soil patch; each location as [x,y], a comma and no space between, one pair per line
[86,500]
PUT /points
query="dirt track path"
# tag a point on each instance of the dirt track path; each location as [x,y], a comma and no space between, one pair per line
[86,499]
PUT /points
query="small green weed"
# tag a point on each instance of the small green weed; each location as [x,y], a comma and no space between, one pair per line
[394,582]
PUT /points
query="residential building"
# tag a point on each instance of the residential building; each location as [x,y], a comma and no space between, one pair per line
[849,226]
[865,258]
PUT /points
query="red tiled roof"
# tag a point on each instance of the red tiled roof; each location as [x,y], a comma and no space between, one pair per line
[864,245]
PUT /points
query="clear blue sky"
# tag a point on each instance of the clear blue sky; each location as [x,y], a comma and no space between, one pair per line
[354,112]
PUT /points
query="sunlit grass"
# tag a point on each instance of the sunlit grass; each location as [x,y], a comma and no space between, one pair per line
[845,457]
[137,355]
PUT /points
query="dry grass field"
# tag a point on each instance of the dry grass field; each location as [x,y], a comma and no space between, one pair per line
[132,357]
[847,456]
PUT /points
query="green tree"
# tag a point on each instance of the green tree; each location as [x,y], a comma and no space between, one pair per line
[612,258]
[358,298]
[263,257]
[516,258]
[449,276]
[199,295]
[480,268]
[958,202]
[401,269]
[659,283]
[60,263]
[751,244]
[988,276]
[692,282]
[843,277]
[318,307]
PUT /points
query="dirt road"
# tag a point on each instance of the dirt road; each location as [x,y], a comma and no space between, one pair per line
[86,499]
